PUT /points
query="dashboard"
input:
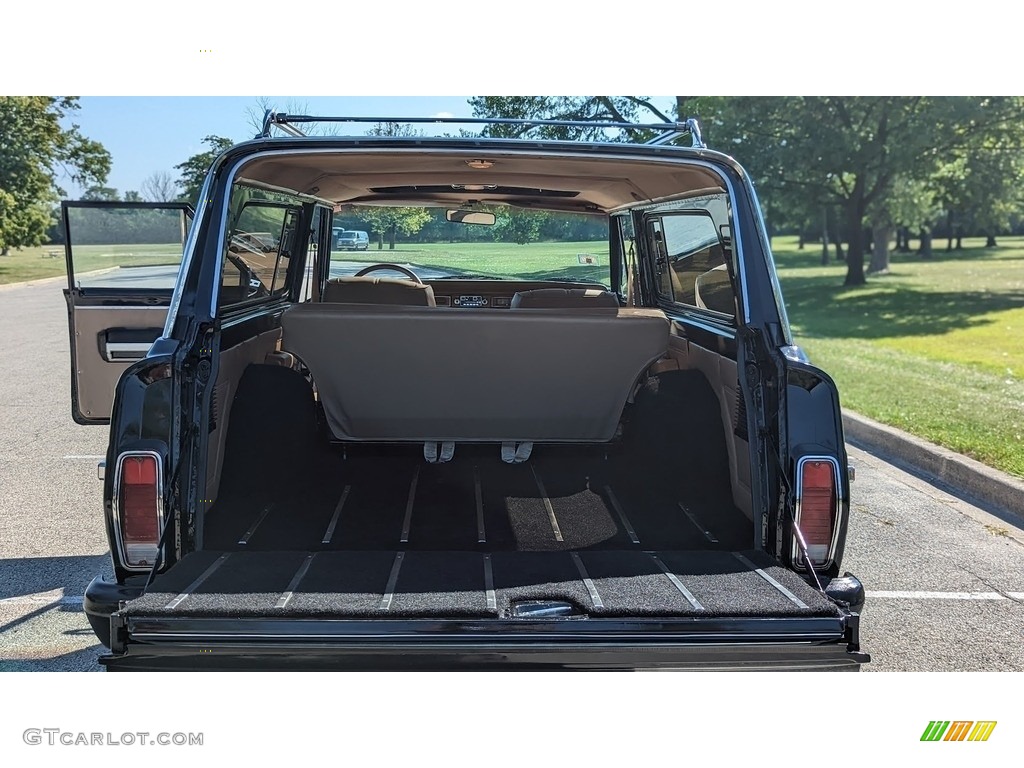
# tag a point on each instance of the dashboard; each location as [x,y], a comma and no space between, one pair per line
[490,294]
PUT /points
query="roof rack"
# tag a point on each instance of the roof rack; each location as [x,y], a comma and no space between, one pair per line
[668,131]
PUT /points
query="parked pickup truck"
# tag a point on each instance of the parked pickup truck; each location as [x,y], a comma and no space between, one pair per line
[568,429]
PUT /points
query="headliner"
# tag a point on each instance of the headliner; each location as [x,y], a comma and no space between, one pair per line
[598,184]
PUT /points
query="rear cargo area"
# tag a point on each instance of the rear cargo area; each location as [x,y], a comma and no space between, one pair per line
[643,527]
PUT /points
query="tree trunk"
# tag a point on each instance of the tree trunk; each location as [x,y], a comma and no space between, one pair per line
[898,247]
[905,246]
[6,251]
[959,238]
[840,256]
[800,241]
[949,226]
[990,241]
[926,244]
[880,250]
[380,240]
[824,237]
[391,237]
[855,226]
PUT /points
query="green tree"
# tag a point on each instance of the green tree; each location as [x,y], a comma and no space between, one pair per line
[192,172]
[980,184]
[34,150]
[617,109]
[100,192]
[519,226]
[850,151]
[386,221]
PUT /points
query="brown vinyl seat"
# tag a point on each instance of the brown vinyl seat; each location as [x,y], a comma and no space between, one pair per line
[713,290]
[417,374]
[564,298]
[378,290]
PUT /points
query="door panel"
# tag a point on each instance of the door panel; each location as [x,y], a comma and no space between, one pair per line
[107,341]
[123,261]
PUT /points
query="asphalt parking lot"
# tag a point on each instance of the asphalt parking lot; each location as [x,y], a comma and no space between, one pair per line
[945,578]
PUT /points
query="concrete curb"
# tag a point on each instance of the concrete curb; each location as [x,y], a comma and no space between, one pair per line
[959,472]
[57,279]
[38,281]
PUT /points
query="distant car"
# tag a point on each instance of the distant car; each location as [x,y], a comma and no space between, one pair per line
[352,240]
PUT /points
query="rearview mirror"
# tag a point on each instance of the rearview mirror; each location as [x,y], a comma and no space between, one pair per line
[470,217]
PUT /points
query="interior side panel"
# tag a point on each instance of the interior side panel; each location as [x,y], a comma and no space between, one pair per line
[233,362]
[721,372]
[95,376]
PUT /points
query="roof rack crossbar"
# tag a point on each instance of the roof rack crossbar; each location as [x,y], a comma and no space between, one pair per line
[671,130]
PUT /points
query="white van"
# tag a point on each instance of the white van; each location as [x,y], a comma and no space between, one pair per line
[352,240]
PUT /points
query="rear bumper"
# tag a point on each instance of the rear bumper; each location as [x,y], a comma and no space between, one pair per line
[242,644]
[102,599]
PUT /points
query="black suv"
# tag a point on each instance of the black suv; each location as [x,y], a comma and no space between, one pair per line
[565,428]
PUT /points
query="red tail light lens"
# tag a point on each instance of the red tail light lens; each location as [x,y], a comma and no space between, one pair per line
[139,510]
[817,508]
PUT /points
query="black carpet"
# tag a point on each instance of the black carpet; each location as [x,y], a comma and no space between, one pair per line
[314,529]
[455,585]
[283,483]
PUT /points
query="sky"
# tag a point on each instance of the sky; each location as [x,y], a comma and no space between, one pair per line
[147,134]
[140,79]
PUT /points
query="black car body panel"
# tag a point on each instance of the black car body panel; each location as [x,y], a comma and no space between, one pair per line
[167,404]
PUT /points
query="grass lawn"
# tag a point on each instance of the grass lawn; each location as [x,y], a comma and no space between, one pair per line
[36,263]
[935,347]
[536,261]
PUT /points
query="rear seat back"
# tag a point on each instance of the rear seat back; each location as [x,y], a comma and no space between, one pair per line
[378,290]
[415,374]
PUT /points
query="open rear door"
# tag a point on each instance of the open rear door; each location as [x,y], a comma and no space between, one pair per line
[123,261]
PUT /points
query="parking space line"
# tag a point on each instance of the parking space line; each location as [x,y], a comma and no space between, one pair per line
[41,598]
[923,595]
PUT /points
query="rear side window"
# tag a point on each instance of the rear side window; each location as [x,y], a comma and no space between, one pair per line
[262,237]
[690,262]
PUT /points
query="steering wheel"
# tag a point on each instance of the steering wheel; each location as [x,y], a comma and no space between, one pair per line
[396,267]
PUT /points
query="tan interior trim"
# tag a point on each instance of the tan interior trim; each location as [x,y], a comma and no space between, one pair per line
[417,374]
[604,182]
[96,377]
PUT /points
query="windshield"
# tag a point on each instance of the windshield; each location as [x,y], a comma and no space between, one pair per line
[520,245]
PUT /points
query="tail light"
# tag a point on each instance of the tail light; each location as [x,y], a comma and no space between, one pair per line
[138,508]
[817,510]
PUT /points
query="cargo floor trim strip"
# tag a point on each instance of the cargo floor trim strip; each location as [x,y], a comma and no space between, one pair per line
[335,517]
[389,590]
[248,534]
[676,582]
[492,600]
[700,527]
[595,597]
[407,524]
[547,505]
[286,596]
[481,533]
[622,515]
[792,598]
[195,584]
